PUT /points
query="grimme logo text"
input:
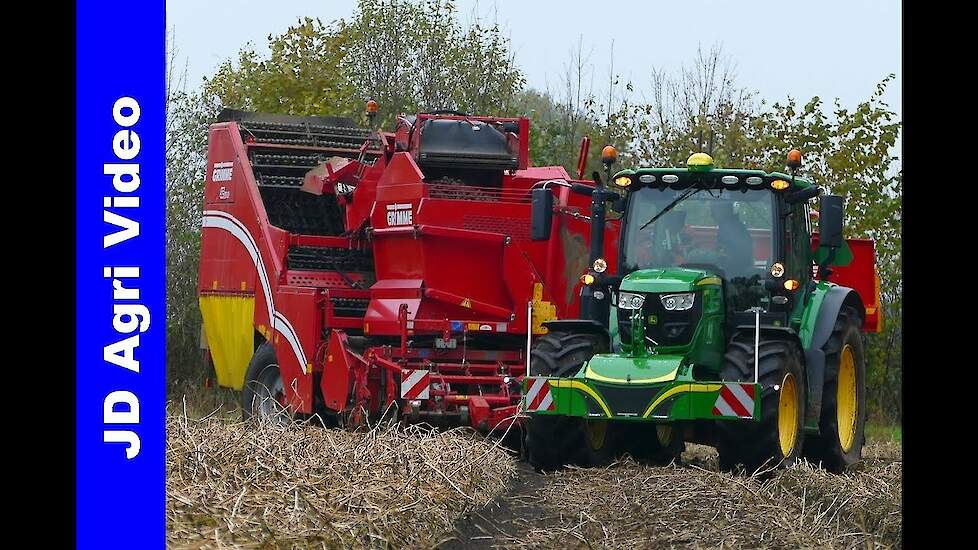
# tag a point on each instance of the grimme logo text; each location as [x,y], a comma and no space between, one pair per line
[399,214]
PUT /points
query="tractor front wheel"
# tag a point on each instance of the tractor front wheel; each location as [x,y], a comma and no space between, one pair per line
[843,418]
[778,437]
[553,441]
[263,395]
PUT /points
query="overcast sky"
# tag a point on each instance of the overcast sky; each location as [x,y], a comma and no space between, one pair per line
[830,48]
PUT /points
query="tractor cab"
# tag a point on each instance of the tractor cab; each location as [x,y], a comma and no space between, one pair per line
[690,229]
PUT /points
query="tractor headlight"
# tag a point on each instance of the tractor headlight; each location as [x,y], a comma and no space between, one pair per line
[628,300]
[678,302]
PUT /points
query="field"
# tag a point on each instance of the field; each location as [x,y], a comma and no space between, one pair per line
[232,484]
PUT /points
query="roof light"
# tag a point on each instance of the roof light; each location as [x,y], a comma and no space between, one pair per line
[609,154]
[670,178]
[372,107]
[779,185]
[646,178]
[729,180]
[623,181]
[794,158]
[699,162]
[754,180]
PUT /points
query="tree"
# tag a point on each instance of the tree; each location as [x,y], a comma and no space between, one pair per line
[408,56]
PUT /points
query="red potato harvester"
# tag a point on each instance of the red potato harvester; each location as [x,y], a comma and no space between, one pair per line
[350,272]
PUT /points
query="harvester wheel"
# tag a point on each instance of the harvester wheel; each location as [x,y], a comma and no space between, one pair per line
[778,438]
[843,416]
[263,393]
[553,441]
[653,443]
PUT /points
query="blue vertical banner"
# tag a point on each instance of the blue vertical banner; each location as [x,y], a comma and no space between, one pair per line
[120,274]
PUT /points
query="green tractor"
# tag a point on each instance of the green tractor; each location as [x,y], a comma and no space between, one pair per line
[721,326]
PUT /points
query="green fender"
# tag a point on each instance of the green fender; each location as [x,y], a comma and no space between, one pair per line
[817,323]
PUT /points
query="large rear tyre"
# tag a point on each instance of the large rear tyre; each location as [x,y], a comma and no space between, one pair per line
[554,441]
[778,438]
[263,394]
[843,417]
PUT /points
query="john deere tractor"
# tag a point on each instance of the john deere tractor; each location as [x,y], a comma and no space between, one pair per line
[714,329]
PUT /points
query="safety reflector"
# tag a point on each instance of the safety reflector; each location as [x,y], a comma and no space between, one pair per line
[538,396]
[735,400]
[415,384]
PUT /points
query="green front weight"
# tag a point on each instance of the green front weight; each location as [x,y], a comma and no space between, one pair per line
[670,401]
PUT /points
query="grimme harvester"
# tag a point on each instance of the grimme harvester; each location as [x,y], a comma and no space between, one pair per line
[728,322]
[351,272]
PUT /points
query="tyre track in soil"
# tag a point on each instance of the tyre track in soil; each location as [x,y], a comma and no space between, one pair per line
[506,517]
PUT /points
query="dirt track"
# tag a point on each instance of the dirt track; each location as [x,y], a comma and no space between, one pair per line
[691,505]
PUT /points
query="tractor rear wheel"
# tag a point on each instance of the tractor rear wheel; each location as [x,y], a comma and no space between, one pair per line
[778,437]
[553,441]
[843,416]
[263,394]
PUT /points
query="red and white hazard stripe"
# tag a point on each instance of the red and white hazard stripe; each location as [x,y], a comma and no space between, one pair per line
[538,396]
[415,384]
[735,400]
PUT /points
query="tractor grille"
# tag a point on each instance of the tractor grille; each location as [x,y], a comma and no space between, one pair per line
[671,328]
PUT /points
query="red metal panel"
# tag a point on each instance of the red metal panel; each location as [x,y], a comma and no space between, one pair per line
[861,276]
[297,330]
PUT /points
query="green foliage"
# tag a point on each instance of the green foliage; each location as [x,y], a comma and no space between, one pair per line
[408,56]
[303,74]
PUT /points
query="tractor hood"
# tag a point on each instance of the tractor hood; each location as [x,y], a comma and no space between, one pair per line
[670,279]
[619,369]
[654,339]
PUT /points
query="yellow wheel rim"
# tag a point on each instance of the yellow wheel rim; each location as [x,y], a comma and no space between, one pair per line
[846,403]
[595,433]
[788,414]
[664,433]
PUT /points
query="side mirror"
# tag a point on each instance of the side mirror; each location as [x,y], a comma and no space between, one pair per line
[541,214]
[618,205]
[830,221]
[803,195]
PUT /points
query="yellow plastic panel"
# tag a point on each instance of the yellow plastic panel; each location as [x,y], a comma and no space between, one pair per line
[230,336]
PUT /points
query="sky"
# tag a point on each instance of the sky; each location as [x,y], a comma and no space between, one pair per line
[831,48]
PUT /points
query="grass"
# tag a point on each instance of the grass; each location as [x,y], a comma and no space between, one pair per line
[197,401]
[876,432]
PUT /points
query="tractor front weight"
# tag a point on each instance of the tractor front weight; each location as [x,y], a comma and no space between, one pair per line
[680,398]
